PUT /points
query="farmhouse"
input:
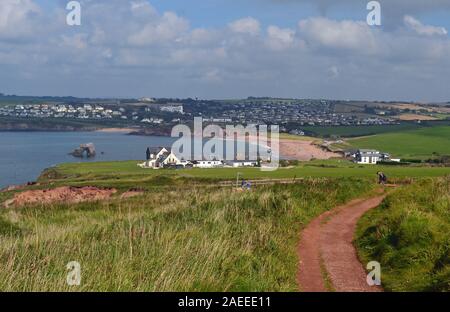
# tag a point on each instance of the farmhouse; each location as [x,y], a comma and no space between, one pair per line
[367,156]
[161,157]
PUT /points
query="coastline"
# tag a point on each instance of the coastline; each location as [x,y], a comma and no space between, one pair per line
[290,148]
[116,130]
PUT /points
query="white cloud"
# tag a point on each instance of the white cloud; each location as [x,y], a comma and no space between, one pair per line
[333,71]
[77,41]
[16,18]
[142,8]
[170,27]
[125,48]
[422,29]
[280,38]
[351,35]
[247,25]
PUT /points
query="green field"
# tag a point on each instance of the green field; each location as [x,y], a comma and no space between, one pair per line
[409,236]
[127,174]
[422,143]
[358,131]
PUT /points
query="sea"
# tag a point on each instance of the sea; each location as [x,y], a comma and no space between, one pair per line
[24,155]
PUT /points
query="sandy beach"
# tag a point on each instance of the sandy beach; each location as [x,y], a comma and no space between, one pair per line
[293,149]
[116,130]
[303,150]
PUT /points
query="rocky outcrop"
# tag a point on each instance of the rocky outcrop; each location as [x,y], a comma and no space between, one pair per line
[84,149]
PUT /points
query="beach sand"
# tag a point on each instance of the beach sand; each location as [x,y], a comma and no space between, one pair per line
[116,130]
[303,150]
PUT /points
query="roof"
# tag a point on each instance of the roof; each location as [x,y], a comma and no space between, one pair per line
[156,150]
[370,154]
[368,151]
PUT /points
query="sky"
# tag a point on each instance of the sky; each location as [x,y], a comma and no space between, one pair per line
[227,49]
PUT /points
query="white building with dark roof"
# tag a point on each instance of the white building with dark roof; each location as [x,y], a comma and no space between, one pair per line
[367,156]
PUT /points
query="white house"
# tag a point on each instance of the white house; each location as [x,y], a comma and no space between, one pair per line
[170,159]
[366,156]
[244,163]
[208,163]
[172,108]
[160,157]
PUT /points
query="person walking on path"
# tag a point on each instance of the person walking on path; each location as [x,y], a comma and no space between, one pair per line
[382,178]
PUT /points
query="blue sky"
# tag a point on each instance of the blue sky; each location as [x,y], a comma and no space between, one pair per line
[216,13]
[227,49]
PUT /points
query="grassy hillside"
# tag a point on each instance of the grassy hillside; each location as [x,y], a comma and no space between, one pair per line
[421,143]
[409,236]
[358,131]
[201,239]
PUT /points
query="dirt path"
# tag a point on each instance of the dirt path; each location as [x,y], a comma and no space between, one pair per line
[328,259]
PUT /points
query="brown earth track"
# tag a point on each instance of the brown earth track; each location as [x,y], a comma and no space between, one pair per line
[328,258]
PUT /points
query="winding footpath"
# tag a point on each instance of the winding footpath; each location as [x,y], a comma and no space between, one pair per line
[328,259]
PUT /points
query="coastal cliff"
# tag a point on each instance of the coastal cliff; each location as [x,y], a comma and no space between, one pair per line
[44,125]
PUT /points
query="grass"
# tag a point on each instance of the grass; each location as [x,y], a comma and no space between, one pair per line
[126,174]
[288,136]
[201,239]
[409,236]
[186,233]
[422,143]
[358,131]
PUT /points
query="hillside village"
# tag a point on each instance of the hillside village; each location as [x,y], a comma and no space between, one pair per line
[291,115]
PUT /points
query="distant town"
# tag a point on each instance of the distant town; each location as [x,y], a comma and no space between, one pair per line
[292,115]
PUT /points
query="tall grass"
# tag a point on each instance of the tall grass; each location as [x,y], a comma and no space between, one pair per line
[410,236]
[203,239]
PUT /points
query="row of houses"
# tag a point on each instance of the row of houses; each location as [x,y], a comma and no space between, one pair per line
[163,157]
[61,110]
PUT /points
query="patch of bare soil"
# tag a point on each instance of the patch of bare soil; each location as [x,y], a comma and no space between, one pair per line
[65,194]
[327,254]
[412,117]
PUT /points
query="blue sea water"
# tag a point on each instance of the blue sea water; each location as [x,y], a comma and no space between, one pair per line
[23,155]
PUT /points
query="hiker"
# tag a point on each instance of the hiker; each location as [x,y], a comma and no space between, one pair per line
[382,178]
[246,185]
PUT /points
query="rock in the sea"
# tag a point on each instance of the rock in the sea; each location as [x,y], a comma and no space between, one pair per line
[88,149]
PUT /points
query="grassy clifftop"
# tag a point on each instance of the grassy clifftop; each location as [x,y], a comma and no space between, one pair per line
[409,236]
[213,239]
[127,174]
